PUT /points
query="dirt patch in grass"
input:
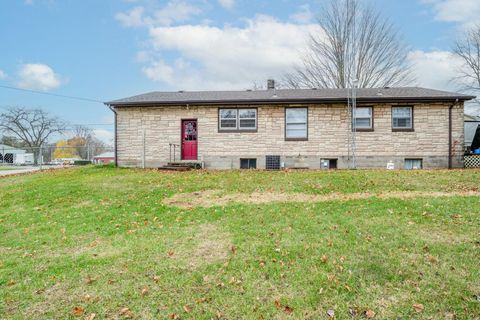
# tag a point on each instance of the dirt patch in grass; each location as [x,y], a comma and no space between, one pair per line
[210,198]
[210,245]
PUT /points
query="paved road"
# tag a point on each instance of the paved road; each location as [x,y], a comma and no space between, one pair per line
[17,170]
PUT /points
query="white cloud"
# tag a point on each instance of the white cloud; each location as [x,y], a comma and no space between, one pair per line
[104,135]
[28,2]
[303,15]
[227,57]
[133,18]
[465,12]
[435,69]
[160,71]
[174,11]
[227,4]
[3,75]
[37,76]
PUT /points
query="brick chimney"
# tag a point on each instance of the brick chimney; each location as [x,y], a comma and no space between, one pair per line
[270,84]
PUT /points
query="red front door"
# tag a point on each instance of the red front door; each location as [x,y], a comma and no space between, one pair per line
[189,139]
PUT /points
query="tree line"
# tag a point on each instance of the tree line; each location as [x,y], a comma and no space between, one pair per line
[358,44]
[32,129]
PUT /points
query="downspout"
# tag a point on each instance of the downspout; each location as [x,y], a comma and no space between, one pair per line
[450,135]
[115,133]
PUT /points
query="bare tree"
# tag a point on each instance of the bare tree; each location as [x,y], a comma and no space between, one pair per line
[467,48]
[356,43]
[85,142]
[33,127]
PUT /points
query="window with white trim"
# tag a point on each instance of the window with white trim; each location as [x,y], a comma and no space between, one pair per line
[247,119]
[237,119]
[296,127]
[402,118]
[364,118]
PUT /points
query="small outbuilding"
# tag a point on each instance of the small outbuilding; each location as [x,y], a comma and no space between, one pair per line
[103,158]
[12,155]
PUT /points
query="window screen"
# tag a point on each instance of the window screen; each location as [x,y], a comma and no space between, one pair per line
[296,123]
[238,119]
[228,119]
[248,118]
[363,118]
[402,117]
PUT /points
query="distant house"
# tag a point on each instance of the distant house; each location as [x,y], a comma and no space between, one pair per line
[270,129]
[106,157]
[12,155]
[472,124]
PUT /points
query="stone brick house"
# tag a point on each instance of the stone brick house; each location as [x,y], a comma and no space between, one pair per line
[410,127]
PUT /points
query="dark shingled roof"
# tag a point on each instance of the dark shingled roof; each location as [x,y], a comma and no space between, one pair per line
[278,96]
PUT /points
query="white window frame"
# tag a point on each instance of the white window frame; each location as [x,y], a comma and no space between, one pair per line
[296,123]
[394,117]
[237,120]
[369,118]
[220,119]
[240,119]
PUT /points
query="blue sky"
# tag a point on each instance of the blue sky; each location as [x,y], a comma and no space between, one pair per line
[115,48]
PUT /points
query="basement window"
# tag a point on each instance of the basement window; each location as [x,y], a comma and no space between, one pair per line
[328,164]
[237,119]
[413,164]
[248,163]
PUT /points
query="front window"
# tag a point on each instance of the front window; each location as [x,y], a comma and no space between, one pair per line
[296,123]
[402,118]
[364,118]
[237,119]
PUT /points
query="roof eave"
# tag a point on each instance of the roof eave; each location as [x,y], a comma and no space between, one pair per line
[288,101]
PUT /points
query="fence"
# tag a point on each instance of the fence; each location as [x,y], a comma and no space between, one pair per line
[472,161]
[52,155]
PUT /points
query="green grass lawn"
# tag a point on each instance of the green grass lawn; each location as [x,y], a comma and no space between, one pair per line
[103,241]
[8,168]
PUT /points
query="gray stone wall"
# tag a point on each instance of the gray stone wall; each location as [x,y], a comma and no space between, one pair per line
[328,137]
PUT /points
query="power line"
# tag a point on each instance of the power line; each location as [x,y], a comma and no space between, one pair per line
[51,94]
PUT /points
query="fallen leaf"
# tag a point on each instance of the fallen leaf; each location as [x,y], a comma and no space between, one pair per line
[89,280]
[91,316]
[187,308]
[78,311]
[450,316]
[324,259]
[156,279]
[126,312]
[277,304]
[418,307]
[369,314]
[144,291]
[174,316]
[288,310]
[331,313]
